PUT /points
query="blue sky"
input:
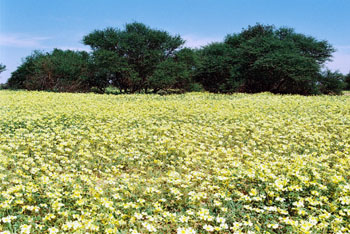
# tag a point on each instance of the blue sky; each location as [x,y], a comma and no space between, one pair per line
[26,25]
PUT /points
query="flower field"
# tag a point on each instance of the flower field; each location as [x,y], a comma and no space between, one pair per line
[192,163]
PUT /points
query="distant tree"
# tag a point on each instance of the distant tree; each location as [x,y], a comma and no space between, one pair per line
[56,71]
[111,69]
[25,71]
[176,72]
[141,59]
[331,82]
[347,81]
[263,58]
[217,69]
[129,57]
[278,60]
[2,68]
[69,70]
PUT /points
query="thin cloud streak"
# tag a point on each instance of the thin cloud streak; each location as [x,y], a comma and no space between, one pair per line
[22,41]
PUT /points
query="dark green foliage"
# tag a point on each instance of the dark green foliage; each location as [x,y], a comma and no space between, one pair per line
[2,67]
[108,68]
[262,58]
[66,71]
[331,82]
[347,81]
[196,87]
[25,71]
[217,70]
[69,71]
[278,60]
[175,72]
[130,57]
[141,59]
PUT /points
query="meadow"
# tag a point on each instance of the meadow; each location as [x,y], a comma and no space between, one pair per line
[189,163]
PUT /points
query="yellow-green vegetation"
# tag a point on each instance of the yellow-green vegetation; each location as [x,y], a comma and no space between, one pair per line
[192,163]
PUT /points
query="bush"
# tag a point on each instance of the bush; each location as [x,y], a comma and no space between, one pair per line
[278,60]
[262,58]
[62,71]
[331,82]
[129,58]
[195,87]
[2,68]
[347,82]
[174,73]
[217,70]
[3,86]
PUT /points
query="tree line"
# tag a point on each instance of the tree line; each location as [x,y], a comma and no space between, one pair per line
[261,58]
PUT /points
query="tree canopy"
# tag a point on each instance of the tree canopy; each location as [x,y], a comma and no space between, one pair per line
[137,58]
[263,58]
[128,58]
[56,71]
[2,68]
[217,70]
[347,81]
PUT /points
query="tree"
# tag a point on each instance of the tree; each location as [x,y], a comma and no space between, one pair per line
[263,58]
[24,71]
[331,82]
[2,68]
[130,57]
[217,70]
[347,81]
[67,71]
[70,70]
[278,60]
[111,69]
[175,72]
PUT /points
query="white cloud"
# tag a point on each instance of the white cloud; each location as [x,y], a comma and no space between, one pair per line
[22,41]
[197,42]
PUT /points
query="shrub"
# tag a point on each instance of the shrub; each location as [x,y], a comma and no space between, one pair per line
[347,81]
[217,71]
[129,58]
[63,71]
[331,82]
[262,58]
